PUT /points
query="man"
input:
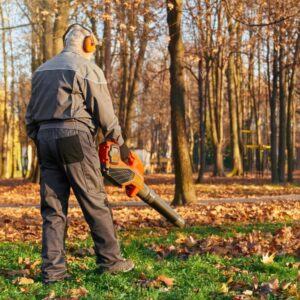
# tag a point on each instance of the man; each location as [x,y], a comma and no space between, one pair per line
[69,102]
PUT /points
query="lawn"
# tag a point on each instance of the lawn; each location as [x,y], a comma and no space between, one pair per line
[199,262]
[227,250]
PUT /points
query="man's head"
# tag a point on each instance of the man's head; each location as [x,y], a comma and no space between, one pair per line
[81,40]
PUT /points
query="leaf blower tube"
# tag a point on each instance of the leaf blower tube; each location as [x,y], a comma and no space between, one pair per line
[130,176]
[153,200]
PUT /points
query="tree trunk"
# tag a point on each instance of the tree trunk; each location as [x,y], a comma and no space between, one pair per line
[47,31]
[107,43]
[184,189]
[136,78]
[216,119]
[257,107]
[4,142]
[60,25]
[202,110]
[124,73]
[215,90]
[237,165]
[273,125]
[12,123]
[282,113]
[291,124]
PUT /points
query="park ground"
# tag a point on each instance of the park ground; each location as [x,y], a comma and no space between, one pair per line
[227,250]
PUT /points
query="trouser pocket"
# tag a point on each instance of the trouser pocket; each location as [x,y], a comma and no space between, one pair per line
[69,149]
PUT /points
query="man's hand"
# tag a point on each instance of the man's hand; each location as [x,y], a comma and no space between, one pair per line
[125,152]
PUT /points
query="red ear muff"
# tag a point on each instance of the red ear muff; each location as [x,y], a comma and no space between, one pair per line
[89,44]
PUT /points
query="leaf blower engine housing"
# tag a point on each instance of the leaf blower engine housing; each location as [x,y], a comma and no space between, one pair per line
[131,176]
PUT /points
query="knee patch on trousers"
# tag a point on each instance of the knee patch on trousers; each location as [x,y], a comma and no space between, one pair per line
[69,149]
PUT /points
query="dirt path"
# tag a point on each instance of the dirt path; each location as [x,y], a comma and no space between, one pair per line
[292,197]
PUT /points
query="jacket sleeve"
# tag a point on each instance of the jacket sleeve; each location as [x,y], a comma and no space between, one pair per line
[99,103]
[31,125]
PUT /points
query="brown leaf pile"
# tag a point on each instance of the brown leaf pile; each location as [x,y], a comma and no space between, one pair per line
[20,192]
[143,281]
[256,290]
[24,224]
[284,241]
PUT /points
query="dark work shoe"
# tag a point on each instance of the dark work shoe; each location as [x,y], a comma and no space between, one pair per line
[121,266]
[51,281]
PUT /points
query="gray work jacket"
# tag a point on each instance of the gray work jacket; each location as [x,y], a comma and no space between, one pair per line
[70,87]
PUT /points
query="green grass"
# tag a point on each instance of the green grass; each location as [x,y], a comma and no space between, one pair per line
[198,277]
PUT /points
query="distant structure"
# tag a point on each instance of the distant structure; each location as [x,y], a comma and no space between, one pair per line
[144,156]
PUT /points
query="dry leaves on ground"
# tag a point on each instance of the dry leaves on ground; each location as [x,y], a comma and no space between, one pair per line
[268,259]
[23,281]
[284,241]
[24,224]
[256,290]
[18,191]
[78,293]
[157,282]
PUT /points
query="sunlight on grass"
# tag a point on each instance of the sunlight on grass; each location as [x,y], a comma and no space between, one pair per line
[206,276]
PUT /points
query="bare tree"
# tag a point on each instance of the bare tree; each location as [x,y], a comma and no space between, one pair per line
[184,189]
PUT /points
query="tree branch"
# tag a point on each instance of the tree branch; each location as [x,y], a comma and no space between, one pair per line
[279,20]
[16,26]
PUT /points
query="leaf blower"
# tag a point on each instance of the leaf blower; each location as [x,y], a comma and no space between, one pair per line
[131,176]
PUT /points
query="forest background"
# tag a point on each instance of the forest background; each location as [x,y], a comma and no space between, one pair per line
[209,89]
[212,86]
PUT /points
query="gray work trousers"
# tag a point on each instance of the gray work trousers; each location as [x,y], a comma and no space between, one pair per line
[68,159]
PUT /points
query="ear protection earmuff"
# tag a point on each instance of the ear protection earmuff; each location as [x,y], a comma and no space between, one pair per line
[89,44]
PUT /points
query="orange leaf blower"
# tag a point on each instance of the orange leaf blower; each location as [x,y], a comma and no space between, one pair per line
[131,176]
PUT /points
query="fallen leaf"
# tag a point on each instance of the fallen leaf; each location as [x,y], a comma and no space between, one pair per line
[224,288]
[255,283]
[274,284]
[180,238]
[50,296]
[248,292]
[270,287]
[172,248]
[35,264]
[292,290]
[80,292]
[237,285]
[229,280]
[166,280]
[83,251]
[268,259]
[190,241]
[23,281]
[296,265]
[83,266]
[24,290]
[242,297]
[285,285]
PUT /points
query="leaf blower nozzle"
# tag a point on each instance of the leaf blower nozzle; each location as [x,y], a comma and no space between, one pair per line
[153,200]
[130,176]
